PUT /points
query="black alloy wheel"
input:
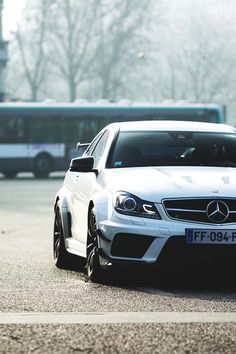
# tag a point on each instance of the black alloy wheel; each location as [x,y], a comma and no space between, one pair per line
[94,269]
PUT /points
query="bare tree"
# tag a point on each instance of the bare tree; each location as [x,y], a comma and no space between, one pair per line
[15,79]
[199,65]
[98,46]
[31,37]
[207,64]
[121,37]
[72,32]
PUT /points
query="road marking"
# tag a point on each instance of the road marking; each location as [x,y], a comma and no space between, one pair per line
[115,317]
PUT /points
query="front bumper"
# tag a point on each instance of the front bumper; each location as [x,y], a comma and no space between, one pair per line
[126,239]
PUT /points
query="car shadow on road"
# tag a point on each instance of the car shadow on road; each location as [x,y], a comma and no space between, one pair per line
[185,283]
[180,281]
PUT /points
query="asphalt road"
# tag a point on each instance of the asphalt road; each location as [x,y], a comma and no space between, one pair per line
[30,283]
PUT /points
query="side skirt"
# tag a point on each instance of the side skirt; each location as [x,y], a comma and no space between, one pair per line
[75,247]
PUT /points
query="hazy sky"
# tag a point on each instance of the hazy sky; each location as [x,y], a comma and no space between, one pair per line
[225,9]
[11,14]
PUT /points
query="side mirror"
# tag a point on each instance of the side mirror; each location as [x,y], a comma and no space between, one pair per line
[82,164]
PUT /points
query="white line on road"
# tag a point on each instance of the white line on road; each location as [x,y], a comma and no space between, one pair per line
[114,317]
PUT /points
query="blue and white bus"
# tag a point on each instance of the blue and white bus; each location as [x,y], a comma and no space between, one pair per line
[41,138]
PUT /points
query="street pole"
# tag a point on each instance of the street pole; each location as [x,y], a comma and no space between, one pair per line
[3,56]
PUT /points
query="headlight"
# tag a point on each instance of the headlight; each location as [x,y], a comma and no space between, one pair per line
[129,204]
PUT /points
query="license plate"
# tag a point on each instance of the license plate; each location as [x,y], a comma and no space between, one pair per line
[211,236]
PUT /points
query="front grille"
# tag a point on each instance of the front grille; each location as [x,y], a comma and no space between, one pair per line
[196,210]
[130,245]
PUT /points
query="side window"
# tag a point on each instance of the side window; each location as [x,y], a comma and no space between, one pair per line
[79,129]
[44,131]
[92,146]
[99,149]
[88,130]
[13,130]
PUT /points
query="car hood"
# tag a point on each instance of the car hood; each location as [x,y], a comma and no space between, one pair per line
[157,183]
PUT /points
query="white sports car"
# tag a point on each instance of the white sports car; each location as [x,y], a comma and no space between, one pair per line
[149,192]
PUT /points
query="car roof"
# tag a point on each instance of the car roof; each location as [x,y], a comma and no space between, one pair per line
[173,126]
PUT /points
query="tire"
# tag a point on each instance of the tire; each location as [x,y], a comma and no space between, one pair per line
[62,258]
[9,174]
[59,250]
[94,270]
[42,166]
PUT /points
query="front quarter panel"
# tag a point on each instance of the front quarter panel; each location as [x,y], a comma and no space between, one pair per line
[83,188]
[102,201]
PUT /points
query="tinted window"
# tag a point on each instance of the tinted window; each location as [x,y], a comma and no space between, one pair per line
[174,149]
[12,130]
[83,130]
[45,131]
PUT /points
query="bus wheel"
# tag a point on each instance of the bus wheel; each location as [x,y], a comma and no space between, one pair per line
[10,174]
[42,166]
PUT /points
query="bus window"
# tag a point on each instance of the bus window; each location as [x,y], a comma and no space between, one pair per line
[82,130]
[44,131]
[71,130]
[89,128]
[12,130]
[213,116]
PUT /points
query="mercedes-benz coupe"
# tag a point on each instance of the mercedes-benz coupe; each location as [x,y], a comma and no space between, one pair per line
[149,192]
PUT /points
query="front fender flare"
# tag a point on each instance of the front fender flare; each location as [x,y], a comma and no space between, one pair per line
[61,202]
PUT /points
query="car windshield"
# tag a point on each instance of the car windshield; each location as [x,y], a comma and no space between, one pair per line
[155,148]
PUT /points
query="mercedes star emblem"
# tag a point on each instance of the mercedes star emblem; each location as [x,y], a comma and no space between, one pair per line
[217,211]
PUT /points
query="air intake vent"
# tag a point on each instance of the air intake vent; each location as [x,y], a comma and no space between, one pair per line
[130,245]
